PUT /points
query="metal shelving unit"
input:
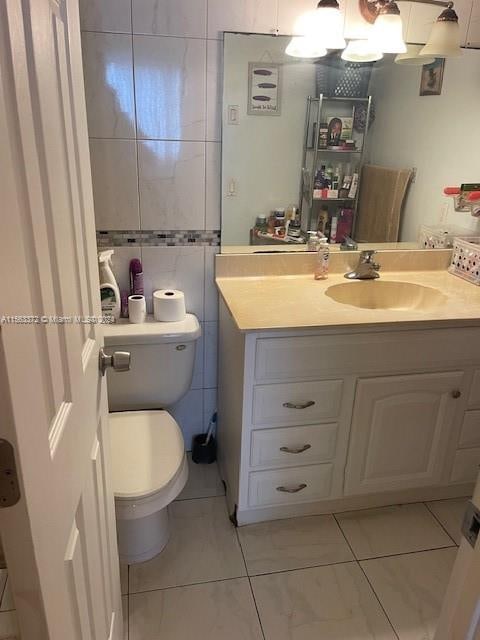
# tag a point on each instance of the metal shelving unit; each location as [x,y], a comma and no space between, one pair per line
[312,153]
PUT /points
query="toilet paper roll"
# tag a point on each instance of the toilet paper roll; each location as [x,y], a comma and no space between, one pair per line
[137,309]
[169,305]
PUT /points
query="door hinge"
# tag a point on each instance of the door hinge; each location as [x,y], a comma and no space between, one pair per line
[9,487]
[471,524]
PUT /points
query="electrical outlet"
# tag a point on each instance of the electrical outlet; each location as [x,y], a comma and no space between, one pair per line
[413,178]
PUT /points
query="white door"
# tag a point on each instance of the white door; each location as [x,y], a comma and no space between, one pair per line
[400,431]
[460,616]
[59,539]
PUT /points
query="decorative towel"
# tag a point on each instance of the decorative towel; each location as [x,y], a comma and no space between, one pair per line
[382,194]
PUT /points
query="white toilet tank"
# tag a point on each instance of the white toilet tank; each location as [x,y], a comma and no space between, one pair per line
[161,370]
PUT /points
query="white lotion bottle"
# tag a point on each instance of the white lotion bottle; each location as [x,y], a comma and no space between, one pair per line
[323,259]
[109,291]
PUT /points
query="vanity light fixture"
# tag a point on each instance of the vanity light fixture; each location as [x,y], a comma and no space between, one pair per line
[387,30]
[444,40]
[360,51]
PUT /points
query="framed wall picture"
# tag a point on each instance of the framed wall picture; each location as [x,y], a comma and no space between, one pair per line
[264,89]
[432,78]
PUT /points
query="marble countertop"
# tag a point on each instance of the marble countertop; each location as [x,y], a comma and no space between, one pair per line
[277,302]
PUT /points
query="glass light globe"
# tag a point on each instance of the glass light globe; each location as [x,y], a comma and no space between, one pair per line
[305,47]
[360,51]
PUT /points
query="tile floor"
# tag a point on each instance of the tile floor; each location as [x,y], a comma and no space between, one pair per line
[377,574]
[8,619]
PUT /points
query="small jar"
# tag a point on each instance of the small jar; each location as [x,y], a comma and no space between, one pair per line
[295,229]
[279,222]
[261,224]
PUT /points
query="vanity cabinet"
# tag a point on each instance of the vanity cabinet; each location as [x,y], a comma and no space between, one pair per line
[313,421]
[400,431]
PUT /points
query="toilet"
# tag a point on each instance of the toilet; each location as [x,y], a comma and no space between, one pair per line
[149,465]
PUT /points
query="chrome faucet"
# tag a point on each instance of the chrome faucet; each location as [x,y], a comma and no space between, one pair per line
[366,268]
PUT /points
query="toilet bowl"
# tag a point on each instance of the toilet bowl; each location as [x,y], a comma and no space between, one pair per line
[149,465]
[149,470]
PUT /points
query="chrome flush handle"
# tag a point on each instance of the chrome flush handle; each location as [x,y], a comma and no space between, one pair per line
[298,405]
[305,447]
[118,361]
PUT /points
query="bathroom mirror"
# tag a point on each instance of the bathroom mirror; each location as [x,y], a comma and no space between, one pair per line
[371,163]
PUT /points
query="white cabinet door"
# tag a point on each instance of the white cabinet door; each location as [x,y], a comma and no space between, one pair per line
[473,36]
[400,431]
[423,17]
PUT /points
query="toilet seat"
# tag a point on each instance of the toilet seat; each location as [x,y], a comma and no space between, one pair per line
[149,466]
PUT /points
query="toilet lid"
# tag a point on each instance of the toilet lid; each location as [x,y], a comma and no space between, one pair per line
[147,452]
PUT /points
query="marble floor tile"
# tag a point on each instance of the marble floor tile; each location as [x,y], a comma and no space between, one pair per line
[203,547]
[217,610]
[411,589]
[392,530]
[450,513]
[295,543]
[124,579]
[334,603]
[203,481]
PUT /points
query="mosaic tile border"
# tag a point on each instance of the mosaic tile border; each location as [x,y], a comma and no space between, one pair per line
[144,238]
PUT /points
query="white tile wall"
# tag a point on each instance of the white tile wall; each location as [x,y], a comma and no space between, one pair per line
[108,68]
[172,184]
[153,71]
[186,18]
[115,183]
[170,93]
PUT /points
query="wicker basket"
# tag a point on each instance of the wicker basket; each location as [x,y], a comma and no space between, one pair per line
[466,259]
[340,79]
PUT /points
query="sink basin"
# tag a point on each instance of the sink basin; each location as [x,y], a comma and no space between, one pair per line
[382,294]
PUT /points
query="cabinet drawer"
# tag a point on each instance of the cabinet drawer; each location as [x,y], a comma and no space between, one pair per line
[287,486]
[466,465]
[293,445]
[310,357]
[470,436]
[296,403]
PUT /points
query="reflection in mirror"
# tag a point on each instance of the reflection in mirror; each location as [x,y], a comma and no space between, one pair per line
[361,153]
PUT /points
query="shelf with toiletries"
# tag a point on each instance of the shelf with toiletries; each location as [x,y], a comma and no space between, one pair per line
[335,126]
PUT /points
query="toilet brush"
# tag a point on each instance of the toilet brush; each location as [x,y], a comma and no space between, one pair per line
[211,427]
[204,450]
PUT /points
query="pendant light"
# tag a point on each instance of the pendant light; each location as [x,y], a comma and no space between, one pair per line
[444,41]
[323,25]
[387,30]
[412,58]
[304,47]
[327,25]
[360,51]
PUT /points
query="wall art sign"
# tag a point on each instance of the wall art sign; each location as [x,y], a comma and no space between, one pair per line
[264,89]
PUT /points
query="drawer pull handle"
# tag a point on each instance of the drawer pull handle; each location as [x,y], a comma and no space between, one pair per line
[296,449]
[298,405]
[300,487]
[456,394]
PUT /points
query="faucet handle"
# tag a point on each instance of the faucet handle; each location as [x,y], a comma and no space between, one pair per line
[366,256]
